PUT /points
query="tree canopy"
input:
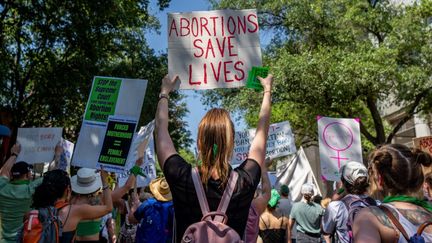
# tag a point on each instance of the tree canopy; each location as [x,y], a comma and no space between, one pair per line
[51,49]
[341,58]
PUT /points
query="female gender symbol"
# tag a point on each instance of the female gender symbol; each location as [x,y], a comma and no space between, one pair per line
[338,137]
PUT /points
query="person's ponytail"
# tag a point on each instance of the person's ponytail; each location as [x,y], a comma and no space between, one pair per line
[422,157]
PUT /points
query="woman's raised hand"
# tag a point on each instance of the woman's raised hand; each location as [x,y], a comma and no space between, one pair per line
[168,84]
[266,82]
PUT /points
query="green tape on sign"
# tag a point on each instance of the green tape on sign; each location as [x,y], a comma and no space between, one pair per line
[103,99]
[252,81]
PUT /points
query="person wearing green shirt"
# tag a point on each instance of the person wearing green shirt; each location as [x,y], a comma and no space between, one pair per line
[16,191]
[307,215]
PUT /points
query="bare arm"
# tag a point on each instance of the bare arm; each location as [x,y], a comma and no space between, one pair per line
[262,200]
[59,159]
[86,211]
[5,170]
[164,145]
[327,238]
[135,204]
[119,192]
[291,223]
[257,150]
[365,228]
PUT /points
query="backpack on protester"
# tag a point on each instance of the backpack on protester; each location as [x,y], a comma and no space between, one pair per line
[354,204]
[212,227]
[156,226]
[417,237]
[42,225]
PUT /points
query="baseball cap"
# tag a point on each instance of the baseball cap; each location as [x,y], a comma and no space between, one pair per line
[284,190]
[307,189]
[353,170]
[21,168]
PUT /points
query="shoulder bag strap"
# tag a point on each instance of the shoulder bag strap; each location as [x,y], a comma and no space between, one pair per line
[395,221]
[200,191]
[226,197]
[423,226]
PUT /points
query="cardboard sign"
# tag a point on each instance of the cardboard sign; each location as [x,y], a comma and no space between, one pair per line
[144,135]
[213,49]
[280,142]
[38,144]
[108,97]
[339,143]
[117,142]
[424,144]
[148,168]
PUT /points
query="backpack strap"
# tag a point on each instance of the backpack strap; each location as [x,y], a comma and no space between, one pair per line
[395,221]
[226,197]
[200,191]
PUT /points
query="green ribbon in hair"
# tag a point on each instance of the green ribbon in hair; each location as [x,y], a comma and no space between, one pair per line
[215,150]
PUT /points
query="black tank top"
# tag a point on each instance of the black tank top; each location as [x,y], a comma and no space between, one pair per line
[273,235]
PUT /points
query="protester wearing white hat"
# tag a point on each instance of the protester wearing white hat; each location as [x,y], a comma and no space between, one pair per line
[339,215]
[85,185]
[307,215]
[55,191]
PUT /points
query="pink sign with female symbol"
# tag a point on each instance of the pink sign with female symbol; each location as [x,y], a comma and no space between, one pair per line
[339,142]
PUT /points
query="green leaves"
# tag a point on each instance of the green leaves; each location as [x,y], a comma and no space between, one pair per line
[345,59]
[51,49]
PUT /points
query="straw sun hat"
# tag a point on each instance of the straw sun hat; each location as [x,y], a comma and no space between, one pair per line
[160,189]
[86,181]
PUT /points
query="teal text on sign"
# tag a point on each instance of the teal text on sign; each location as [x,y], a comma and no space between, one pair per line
[103,99]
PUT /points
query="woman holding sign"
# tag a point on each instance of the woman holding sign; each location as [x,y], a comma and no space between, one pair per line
[215,143]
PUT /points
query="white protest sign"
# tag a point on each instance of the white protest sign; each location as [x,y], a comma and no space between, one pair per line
[339,143]
[108,97]
[280,142]
[213,49]
[144,135]
[38,144]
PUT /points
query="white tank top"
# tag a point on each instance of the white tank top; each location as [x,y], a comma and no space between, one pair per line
[410,228]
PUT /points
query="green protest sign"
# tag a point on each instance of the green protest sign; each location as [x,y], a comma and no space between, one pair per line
[103,99]
[252,81]
[117,142]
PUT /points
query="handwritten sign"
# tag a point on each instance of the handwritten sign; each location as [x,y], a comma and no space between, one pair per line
[148,168]
[38,144]
[108,97]
[144,135]
[424,144]
[339,143]
[280,142]
[213,49]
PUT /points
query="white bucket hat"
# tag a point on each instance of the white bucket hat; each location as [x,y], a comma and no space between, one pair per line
[86,181]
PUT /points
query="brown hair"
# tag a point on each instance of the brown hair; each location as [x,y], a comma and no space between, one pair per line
[359,186]
[399,167]
[215,144]
[428,179]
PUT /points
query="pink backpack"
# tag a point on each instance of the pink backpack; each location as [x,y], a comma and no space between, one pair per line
[212,227]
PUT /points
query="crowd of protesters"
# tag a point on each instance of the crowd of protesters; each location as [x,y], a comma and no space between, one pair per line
[387,201]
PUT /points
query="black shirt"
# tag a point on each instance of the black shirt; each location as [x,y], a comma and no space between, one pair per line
[186,205]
